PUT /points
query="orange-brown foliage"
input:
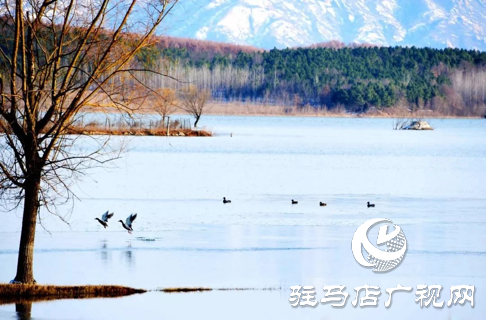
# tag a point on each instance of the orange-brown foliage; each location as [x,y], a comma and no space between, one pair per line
[202,46]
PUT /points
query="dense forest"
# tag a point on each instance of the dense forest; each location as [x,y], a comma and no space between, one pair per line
[330,75]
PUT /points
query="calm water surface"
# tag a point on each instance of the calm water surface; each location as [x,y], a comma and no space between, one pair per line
[429,183]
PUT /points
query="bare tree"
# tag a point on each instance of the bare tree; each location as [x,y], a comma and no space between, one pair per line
[56,57]
[194,101]
[468,93]
[402,117]
[165,103]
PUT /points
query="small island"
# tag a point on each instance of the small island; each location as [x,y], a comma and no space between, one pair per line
[418,125]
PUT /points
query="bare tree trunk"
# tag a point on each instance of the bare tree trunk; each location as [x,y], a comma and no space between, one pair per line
[24,310]
[25,264]
[197,120]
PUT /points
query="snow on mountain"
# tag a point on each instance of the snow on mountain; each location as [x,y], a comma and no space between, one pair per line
[291,23]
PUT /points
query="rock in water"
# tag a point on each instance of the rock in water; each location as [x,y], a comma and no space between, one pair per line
[418,125]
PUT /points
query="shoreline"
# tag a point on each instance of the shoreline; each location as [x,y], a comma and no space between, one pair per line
[100,131]
[335,116]
[239,110]
[26,293]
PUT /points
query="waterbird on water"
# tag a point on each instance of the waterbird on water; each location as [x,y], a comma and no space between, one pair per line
[104,218]
[128,223]
[294,202]
[226,201]
[372,205]
[322,204]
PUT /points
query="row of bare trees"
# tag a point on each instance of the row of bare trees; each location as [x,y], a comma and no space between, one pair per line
[224,83]
[468,94]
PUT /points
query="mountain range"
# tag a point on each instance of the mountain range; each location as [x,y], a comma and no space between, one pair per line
[298,23]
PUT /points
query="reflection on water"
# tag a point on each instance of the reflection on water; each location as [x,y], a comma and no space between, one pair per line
[129,256]
[23,310]
[105,253]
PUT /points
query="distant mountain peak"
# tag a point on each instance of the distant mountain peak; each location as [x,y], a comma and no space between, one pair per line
[293,23]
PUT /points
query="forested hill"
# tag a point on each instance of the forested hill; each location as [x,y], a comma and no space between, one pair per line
[451,81]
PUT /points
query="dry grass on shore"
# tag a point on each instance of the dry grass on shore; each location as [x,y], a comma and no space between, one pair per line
[184,290]
[181,290]
[99,130]
[27,294]
[254,109]
[94,130]
[10,293]
[248,109]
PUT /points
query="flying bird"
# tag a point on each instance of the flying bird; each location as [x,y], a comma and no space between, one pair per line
[128,223]
[104,218]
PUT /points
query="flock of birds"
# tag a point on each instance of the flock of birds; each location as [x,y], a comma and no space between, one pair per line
[322,204]
[127,225]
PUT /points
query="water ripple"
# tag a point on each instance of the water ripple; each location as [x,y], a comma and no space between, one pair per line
[189,249]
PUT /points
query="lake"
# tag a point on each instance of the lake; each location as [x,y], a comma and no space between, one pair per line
[430,183]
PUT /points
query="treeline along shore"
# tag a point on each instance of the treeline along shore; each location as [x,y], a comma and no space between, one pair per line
[329,76]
